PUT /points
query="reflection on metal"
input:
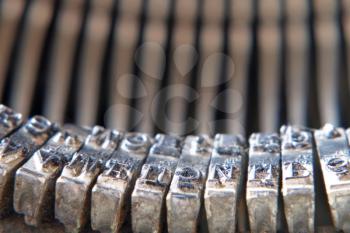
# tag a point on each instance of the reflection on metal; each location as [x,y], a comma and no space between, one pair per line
[184,199]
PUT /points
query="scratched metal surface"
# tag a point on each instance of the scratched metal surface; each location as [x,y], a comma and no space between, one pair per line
[97,178]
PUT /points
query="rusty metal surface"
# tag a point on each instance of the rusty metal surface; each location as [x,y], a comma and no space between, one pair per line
[92,179]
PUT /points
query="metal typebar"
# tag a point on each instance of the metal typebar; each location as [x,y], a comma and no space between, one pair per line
[237,73]
[333,151]
[327,40]
[11,12]
[263,181]
[208,79]
[61,65]
[269,69]
[26,67]
[110,200]
[127,32]
[151,187]
[151,62]
[73,187]
[16,150]
[224,182]
[93,47]
[298,183]
[182,63]
[36,179]
[297,46]
[184,199]
[49,172]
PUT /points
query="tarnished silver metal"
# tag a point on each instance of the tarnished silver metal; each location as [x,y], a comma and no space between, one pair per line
[333,151]
[110,200]
[16,150]
[73,187]
[263,179]
[224,179]
[187,187]
[9,121]
[148,197]
[36,179]
[297,179]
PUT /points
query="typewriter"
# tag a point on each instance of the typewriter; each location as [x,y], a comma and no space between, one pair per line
[174,116]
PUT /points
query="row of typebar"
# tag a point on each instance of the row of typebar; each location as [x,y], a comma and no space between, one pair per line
[96,176]
[291,43]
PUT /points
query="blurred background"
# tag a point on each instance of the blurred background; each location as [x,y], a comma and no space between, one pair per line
[178,66]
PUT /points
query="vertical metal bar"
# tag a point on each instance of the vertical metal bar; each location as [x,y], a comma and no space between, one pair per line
[223,184]
[40,13]
[297,179]
[98,25]
[297,60]
[184,57]
[121,87]
[11,12]
[345,5]
[210,57]
[151,62]
[269,40]
[263,182]
[110,201]
[240,45]
[148,197]
[327,40]
[185,197]
[68,27]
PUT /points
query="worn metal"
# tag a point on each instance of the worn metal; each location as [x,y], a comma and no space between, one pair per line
[9,121]
[224,179]
[148,197]
[185,195]
[73,187]
[263,181]
[297,179]
[110,201]
[16,150]
[333,151]
[36,179]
